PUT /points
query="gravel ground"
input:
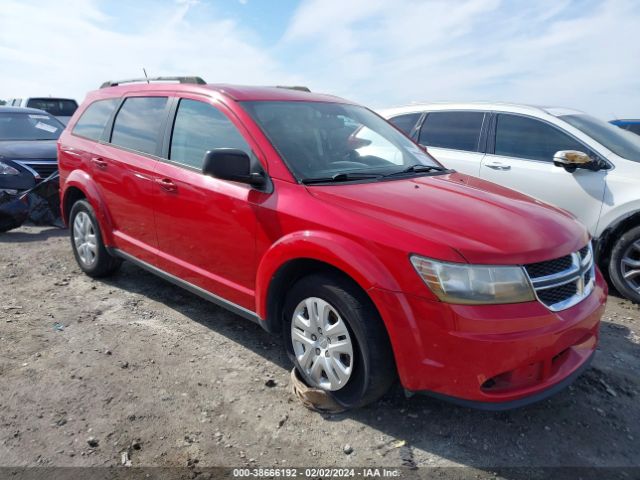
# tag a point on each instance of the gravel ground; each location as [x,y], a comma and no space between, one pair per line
[91,369]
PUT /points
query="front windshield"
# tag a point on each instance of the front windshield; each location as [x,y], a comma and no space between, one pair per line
[619,141]
[29,126]
[322,140]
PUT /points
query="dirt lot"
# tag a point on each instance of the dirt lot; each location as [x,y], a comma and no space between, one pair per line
[133,364]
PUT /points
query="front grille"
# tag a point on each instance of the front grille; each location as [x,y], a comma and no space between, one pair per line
[42,168]
[550,267]
[551,296]
[565,281]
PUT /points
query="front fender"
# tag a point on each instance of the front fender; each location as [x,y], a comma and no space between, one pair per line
[334,249]
[84,182]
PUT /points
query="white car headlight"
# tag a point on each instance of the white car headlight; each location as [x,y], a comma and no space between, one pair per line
[474,284]
[8,169]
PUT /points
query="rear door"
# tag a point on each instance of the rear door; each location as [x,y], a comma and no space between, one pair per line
[206,227]
[520,157]
[455,139]
[124,168]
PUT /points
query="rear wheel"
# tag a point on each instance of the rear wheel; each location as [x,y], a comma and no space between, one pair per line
[86,241]
[624,266]
[337,340]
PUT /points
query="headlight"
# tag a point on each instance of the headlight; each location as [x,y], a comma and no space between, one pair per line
[8,169]
[474,284]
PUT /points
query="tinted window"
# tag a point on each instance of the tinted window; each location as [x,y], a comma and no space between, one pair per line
[59,107]
[138,123]
[29,126]
[457,130]
[93,120]
[524,137]
[634,127]
[405,122]
[200,127]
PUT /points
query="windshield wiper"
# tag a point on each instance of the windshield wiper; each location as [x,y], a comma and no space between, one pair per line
[418,168]
[342,177]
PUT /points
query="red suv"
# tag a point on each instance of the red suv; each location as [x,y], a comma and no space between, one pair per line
[318,220]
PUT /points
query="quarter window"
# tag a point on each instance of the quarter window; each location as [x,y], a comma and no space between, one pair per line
[93,120]
[405,122]
[455,130]
[524,137]
[137,124]
[198,128]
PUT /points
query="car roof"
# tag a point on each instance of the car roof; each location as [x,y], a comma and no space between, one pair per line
[625,120]
[241,93]
[6,109]
[493,106]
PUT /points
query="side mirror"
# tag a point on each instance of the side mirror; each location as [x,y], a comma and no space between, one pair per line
[231,164]
[570,160]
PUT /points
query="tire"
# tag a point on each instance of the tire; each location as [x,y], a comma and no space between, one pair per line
[625,260]
[369,364]
[86,242]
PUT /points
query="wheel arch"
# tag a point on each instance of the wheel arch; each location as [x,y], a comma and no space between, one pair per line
[304,253]
[609,236]
[79,185]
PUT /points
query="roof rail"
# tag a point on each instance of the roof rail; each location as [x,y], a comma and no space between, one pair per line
[114,83]
[295,87]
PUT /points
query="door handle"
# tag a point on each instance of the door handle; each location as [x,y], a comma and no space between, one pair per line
[166,184]
[99,162]
[498,166]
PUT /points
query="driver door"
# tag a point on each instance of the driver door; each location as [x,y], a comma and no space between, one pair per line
[522,159]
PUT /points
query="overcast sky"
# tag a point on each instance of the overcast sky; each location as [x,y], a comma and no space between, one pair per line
[581,54]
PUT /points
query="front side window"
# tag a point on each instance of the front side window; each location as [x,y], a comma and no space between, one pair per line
[317,139]
[93,120]
[200,127]
[524,137]
[29,126]
[620,142]
[137,124]
[405,122]
[455,130]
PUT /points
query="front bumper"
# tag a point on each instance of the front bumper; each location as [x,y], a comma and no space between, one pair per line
[490,356]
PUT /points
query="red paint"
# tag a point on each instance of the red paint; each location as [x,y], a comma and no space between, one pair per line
[230,240]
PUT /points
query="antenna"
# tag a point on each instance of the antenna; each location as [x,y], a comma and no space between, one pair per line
[145,74]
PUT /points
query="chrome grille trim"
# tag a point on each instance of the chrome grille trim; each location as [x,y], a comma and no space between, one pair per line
[581,273]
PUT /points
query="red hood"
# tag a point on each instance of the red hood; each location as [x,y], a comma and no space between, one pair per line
[484,222]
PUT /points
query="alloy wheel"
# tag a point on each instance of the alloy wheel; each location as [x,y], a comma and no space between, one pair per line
[630,266]
[84,239]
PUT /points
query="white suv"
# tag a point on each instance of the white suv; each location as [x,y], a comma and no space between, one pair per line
[560,156]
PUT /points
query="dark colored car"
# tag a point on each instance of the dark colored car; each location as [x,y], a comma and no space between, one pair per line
[628,124]
[61,108]
[27,147]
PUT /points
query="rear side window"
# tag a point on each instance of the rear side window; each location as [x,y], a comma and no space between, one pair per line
[455,130]
[524,137]
[200,127]
[405,122]
[93,120]
[58,107]
[137,124]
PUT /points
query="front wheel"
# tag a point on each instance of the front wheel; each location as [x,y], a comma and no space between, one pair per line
[86,241]
[337,340]
[624,266]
